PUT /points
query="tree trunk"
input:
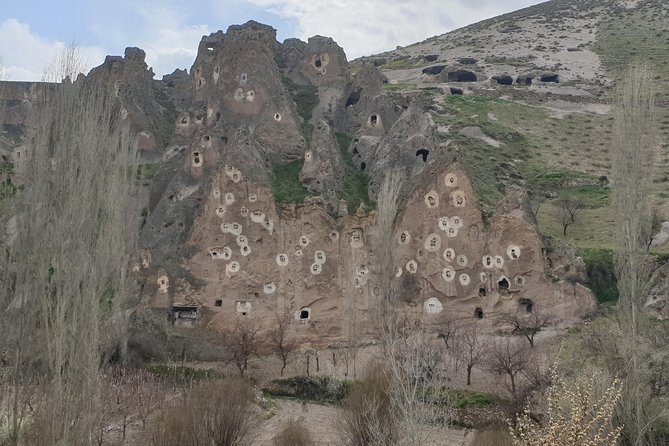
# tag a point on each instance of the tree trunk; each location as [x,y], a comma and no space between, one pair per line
[469,375]
[513,383]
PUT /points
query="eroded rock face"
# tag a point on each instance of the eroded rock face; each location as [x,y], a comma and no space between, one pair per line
[213,236]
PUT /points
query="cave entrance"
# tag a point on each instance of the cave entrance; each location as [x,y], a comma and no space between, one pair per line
[503,79]
[503,286]
[218,303]
[461,76]
[526,304]
[318,63]
[424,153]
[373,120]
[550,77]
[481,292]
[353,98]
[363,166]
[478,313]
[456,91]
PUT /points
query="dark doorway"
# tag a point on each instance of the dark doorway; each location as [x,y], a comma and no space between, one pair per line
[424,153]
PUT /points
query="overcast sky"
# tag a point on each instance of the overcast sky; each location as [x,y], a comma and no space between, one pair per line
[32,31]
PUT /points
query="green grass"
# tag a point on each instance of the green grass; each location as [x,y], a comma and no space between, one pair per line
[461,399]
[182,374]
[305,97]
[593,228]
[402,64]
[286,186]
[491,169]
[355,182]
[601,275]
[7,189]
[146,172]
[400,86]
[322,389]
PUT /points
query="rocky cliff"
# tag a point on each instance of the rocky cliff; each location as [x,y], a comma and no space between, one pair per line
[262,167]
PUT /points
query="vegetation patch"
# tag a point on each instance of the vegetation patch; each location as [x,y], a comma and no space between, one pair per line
[286,186]
[182,374]
[306,99]
[459,398]
[355,182]
[601,274]
[321,389]
[146,172]
[401,64]
[592,229]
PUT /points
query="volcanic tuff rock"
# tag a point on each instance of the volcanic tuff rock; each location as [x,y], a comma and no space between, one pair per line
[255,126]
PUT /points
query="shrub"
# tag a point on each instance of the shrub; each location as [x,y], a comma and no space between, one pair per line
[369,416]
[286,186]
[601,274]
[218,413]
[294,433]
[320,389]
[355,182]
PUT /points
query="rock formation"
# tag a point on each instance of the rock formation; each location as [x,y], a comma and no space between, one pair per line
[215,238]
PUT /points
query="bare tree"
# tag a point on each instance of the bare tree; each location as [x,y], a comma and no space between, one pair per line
[282,340]
[242,342]
[569,208]
[655,227]
[524,323]
[633,161]
[67,269]
[508,357]
[469,348]
[415,363]
[446,330]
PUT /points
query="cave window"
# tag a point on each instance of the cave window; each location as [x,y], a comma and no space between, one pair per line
[456,91]
[373,120]
[478,313]
[503,286]
[184,121]
[243,313]
[218,303]
[317,63]
[198,118]
[481,292]
[433,242]
[243,77]
[424,153]
[305,314]
[196,157]
[514,253]
[363,166]
[353,98]
[527,304]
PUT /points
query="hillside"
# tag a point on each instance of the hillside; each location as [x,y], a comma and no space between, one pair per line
[335,232]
